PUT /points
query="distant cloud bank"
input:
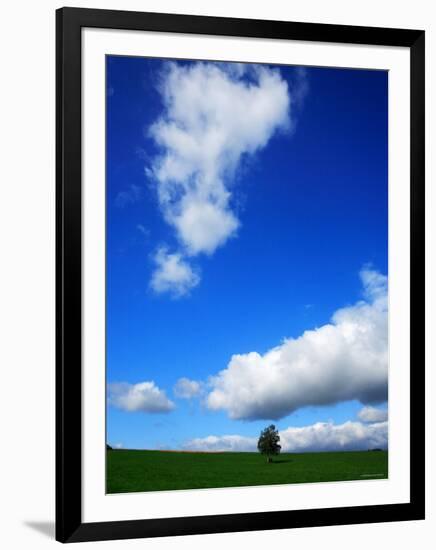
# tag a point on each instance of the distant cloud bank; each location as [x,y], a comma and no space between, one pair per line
[232,443]
[322,436]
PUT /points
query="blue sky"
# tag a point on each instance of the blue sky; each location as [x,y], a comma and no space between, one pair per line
[245,206]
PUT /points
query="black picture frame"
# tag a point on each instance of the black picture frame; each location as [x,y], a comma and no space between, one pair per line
[69,525]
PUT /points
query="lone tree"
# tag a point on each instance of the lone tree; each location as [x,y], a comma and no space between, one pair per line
[268,443]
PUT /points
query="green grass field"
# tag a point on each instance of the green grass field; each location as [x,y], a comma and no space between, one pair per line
[131,471]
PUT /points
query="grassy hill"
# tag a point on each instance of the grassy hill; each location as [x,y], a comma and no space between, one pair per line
[130,471]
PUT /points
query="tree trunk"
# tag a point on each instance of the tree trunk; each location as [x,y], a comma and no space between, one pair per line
[269,459]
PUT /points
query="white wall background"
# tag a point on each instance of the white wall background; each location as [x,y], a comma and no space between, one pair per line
[27,242]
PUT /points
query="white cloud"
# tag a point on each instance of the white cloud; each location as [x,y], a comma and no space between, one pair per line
[375,284]
[173,274]
[202,226]
[214,115]
[326,436]
[186,388]
[371,414]
[344,360]
[118,446]
[322,436]
[144,396]
[236,443]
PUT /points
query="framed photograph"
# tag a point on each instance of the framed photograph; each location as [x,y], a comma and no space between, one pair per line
[240,275]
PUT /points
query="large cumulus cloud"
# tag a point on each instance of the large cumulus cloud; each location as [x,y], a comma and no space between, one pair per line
[346,359]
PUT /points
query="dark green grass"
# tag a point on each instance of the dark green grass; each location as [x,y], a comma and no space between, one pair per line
[130,471]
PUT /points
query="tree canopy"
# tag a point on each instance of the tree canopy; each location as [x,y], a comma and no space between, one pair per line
[268,443]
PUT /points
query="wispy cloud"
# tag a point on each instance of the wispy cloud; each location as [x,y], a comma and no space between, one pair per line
[322,436]
[128,196]
[142,229]
[187,389]
[344,360]
[300,86]
[144,396]
[214,115]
